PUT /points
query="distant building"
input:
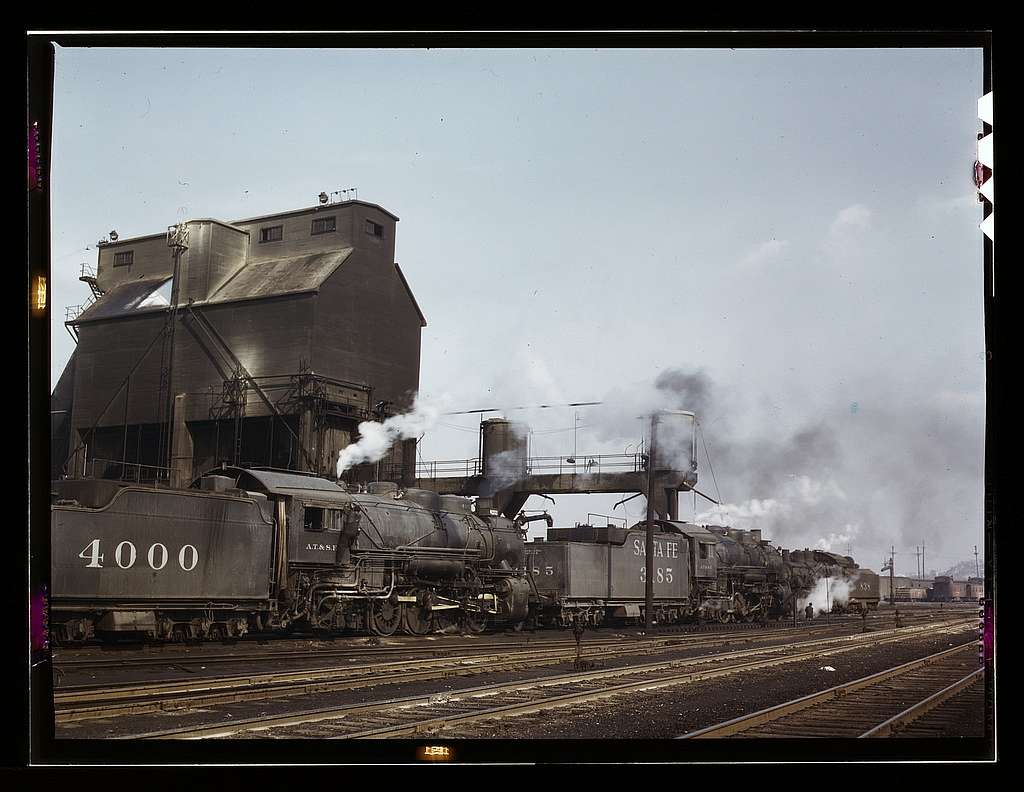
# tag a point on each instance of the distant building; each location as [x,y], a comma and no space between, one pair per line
[288,330]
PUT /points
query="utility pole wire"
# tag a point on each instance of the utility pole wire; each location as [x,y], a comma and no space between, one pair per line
[534,407]
[711,467]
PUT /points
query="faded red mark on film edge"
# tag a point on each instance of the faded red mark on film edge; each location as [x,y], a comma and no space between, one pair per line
[38,622]
[35,171]
[987,638]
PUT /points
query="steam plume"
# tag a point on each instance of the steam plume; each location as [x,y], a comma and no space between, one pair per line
[827,593]
[375,439]
[503,470]
[852,477]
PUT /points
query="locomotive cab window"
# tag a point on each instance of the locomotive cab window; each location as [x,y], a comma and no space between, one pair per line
[313,519]
[317,518]
[703,552]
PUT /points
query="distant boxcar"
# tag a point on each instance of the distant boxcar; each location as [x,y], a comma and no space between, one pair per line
[911,594]
[945,589]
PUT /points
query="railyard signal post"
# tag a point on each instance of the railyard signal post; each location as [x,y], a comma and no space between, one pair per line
[649,549]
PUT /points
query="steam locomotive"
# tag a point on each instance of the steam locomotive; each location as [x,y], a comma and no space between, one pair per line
[710,573]
[255,549]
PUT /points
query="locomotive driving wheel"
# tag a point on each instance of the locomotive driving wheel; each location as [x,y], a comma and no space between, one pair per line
[416,620]
[383,617]
[475,623]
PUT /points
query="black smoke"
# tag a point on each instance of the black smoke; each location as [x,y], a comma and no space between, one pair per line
[886,472]
[685,390]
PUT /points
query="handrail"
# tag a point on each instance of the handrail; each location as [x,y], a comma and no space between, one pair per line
[580,464]
[130,471]
[72,312]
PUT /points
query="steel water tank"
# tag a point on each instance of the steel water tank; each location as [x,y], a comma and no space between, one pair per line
[503,449]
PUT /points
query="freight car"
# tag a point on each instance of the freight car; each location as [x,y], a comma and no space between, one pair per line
[945,589]
[911,594]
[257,549]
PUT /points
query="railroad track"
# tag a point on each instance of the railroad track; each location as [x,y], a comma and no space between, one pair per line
[426,713]
[100,701]
[878,705]
[174,655]
[945,713]
[86,702]
[271,656]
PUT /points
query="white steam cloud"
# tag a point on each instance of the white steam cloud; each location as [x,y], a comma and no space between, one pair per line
[624,414]
[375,439]
[795,518]
[503,470]
[827,593]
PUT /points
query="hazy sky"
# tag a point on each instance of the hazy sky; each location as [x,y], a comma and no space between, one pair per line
[799,227]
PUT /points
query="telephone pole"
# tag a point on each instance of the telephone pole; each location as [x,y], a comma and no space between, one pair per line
[649,547]
[977,569]
[917,552]
[923,572]
[892,585]
[892,582]
[891,566]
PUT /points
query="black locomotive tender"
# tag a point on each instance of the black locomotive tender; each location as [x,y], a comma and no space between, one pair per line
[255,550]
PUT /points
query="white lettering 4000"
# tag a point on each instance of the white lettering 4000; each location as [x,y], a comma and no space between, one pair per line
[125,555]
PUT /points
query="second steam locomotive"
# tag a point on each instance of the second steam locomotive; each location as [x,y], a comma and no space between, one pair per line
[253,550]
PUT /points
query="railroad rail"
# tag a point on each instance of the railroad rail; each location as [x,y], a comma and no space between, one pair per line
[177,654]
[936,714]
[424,713]
[167,658]
[941,714]
[872,706]
[82,702]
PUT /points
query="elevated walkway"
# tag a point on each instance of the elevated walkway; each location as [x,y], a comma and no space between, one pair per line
[565,475]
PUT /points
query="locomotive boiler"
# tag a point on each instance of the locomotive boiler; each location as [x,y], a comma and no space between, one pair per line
[856,589]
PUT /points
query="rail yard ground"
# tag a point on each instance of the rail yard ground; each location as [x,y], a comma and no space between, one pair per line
[615,684]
